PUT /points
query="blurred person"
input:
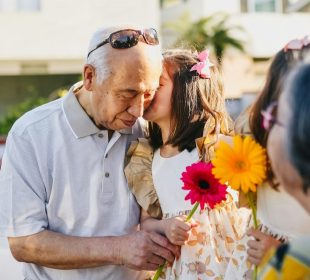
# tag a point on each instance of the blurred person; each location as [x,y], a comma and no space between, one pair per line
[186,119]
[64,201]
[288,149]
[279,224]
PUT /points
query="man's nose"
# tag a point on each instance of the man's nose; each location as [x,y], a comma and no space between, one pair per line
[137,107]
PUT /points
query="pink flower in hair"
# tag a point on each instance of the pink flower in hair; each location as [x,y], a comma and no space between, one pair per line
[203,67]
[297,44]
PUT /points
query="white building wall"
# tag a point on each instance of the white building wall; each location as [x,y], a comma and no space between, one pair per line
[226,6]
[61,29]
[268,32]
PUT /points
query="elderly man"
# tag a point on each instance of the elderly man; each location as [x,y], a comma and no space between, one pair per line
[64,200]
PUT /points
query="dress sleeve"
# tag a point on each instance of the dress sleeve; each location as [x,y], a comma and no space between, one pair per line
[138,172]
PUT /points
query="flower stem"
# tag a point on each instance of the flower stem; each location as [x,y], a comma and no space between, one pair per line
[159,271]
[161,267]
[253,208]
[192,212]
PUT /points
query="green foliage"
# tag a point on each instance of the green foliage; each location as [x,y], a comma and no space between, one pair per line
[18,110]
[213,31]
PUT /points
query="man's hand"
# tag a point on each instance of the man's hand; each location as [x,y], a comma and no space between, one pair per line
[261,244]
[146,250]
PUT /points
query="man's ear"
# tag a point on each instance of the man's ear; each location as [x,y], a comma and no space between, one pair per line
[89,76]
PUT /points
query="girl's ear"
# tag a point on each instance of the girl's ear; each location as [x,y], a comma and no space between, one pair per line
[89,76]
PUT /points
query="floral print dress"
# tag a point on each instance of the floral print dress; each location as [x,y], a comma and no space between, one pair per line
[215,248]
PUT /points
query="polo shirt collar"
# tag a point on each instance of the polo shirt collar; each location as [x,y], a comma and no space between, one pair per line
[79,122]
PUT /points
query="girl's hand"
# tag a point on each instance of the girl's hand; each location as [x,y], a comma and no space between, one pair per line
[261,244]
[177,230]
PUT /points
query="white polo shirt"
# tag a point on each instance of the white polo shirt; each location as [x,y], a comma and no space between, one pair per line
[60,172]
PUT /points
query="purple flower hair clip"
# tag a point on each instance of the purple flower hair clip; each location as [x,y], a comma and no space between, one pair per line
[203,66]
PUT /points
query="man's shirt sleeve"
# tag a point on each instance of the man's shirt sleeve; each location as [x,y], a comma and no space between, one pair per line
[22,191]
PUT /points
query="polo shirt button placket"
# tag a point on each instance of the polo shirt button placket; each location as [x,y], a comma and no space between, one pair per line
[107,175]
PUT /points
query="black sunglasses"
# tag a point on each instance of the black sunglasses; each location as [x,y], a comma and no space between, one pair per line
[128,38]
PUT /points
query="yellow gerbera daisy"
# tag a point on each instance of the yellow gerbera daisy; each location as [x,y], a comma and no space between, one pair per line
[242,166]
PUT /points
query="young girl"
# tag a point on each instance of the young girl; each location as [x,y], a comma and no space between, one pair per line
[282,218]
[186,118]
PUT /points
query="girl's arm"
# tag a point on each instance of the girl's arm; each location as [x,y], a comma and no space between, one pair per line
[175,229]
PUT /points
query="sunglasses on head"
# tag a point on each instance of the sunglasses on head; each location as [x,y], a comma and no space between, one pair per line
[128,38]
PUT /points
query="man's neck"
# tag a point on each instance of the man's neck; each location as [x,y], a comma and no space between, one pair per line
[82,96]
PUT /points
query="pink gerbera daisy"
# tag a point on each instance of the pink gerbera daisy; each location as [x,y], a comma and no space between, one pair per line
[203,187]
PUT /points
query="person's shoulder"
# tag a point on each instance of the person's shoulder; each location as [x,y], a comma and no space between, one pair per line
[296,261]
[37,117]
[296,251]
[289,261]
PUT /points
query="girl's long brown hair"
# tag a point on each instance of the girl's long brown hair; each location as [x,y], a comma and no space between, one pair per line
[198,104]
